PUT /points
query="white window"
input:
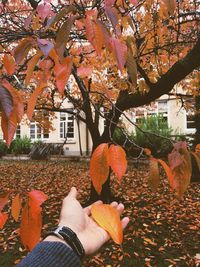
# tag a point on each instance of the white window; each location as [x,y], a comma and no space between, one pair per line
[190,120]
[18,132]
[190,115]
[67,126]
[36,132]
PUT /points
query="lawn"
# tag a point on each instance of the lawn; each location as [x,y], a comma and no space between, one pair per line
[162,231]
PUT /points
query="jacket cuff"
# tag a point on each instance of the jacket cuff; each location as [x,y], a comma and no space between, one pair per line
[51,254]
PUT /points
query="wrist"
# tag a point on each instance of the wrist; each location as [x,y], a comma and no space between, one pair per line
[67,236]
[52,238]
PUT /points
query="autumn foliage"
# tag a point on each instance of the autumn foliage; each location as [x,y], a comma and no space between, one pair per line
[120,54]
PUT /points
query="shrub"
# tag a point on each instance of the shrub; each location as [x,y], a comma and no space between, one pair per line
[21,145]
[3,148]
[155,124]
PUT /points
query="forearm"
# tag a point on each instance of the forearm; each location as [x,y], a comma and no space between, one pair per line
[51,253]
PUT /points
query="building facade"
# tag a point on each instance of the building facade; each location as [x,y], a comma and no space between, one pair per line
[66,129]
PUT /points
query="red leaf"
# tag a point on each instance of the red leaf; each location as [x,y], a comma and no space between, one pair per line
[180,162]
[37,197]
[117,160]
[21,51]
[44,9]
[62,72]
[99,166]
[94,32]
[108,218]
[6,101]
[3,219]
[120,52]
[9,64]
[111,12]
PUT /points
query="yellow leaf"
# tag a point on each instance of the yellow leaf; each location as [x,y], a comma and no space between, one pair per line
[16,207]
[108,218]
[154,176]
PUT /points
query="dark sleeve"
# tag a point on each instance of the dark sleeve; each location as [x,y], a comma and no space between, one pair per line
[51,254]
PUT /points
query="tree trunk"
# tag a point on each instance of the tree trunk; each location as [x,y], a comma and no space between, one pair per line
[195,169]
[197,121]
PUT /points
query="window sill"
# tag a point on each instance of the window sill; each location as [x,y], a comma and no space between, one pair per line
[73,141]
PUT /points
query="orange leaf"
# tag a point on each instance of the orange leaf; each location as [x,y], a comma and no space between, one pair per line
[31,65]
[16,207]
[168,172]
[197,148]
[154,176]
[117,160]
[84,72]
[62,72]
[94,32]
[108,218]
[99,166]
[131,66]
[3,219]
[171,5]
[30,228]
[31,222]
[36,198]
[9,64]
[33,99]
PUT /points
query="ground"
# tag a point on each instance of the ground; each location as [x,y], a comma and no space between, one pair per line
[162,232]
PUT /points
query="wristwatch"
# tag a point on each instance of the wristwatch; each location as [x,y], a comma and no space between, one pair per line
[66,234]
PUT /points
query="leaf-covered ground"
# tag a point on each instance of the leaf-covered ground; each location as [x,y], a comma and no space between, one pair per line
[162,232]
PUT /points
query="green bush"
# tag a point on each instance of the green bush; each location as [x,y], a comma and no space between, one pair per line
[3,148]
[20,145]
[155,124]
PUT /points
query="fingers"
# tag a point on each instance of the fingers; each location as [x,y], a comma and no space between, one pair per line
[125,222]
[119,207]
[87,210]
[73,192]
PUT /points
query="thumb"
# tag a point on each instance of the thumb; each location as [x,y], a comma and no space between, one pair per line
[73,192]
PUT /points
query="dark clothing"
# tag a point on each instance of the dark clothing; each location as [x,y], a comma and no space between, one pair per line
[51,254]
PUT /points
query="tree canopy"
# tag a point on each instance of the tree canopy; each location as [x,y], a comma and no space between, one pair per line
[121,54]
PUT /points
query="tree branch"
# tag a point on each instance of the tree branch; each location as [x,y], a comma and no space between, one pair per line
[166,82]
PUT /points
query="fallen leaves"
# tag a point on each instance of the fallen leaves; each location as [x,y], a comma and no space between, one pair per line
[171,225]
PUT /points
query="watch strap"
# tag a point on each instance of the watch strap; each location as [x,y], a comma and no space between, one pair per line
[70,237]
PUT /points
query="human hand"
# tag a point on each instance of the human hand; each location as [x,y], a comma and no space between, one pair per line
[91,235]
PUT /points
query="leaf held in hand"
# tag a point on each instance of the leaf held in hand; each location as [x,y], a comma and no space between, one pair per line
[108,218]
